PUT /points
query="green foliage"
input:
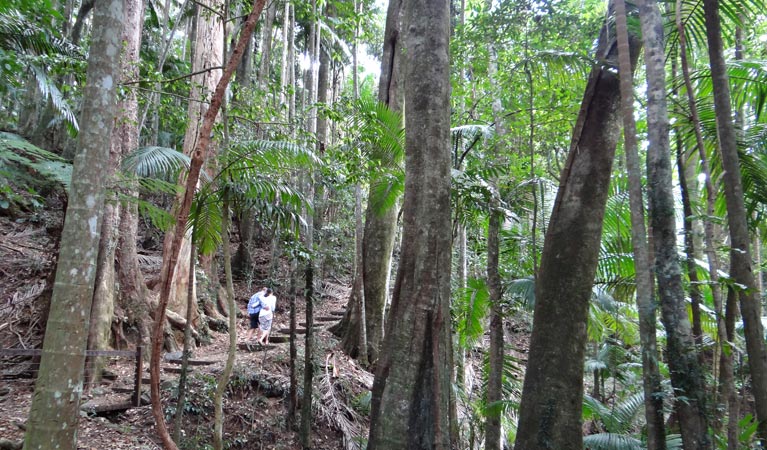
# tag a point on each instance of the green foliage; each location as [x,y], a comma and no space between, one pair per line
[27,46]
[380,135]
[26,170]
[522,291]
[155,162]
[732,12]
[206,220]
[469,309]
[611,441]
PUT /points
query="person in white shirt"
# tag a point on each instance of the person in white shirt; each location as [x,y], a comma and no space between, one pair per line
[265,316]
[254,309]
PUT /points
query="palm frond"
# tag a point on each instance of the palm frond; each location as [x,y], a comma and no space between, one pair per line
[522,291]
[330,34]
[157,216]
[470,308]
[732,12]
[155,162]
[617,419]
[381,131]
[49,90]
[611,441]
[206,221]
[268,155]
[748,83]
[385,191]
[20,34]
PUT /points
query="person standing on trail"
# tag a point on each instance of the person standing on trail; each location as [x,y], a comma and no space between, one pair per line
[254,308]
[268,303]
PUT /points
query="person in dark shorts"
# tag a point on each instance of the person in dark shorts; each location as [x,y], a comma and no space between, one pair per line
[254,308]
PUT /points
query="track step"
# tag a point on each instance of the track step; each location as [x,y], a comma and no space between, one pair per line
[192,362]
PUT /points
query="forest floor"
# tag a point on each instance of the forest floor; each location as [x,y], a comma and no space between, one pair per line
[255,407]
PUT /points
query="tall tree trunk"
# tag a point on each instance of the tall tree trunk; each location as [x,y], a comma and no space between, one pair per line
[223,380]
[411,393]
[293,393]
[651,379]
[726,379]
[55,409]
[740,255]
[209,53]
[311,125]
[198,157]
[686,374]
[306,401]
[287,29]
[358,292]
[266,45]
[124,140]
[380,226]
[493,435]
[322,143]
[550,412]
[185,355]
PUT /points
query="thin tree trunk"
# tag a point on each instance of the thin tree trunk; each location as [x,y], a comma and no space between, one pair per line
[726,389]
[306,401]
[551,408]
[55,409]
[198,157]
[358,285]
[733,401]
[266,45]
[686,375]
[493,435]
[293,394]
[287,27]
[740,256]
[651,379]
[223,379]
[708,225]
[305,432]
[187,352]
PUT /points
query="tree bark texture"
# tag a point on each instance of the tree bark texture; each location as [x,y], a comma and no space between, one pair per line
[266,45]
[686,375]
[124,140]
[223,380]
[493,435]
[208,53]
[198,157]
[411,392]
[645,298]
[380,226]
[740,255]
[55,409]
[551,407]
